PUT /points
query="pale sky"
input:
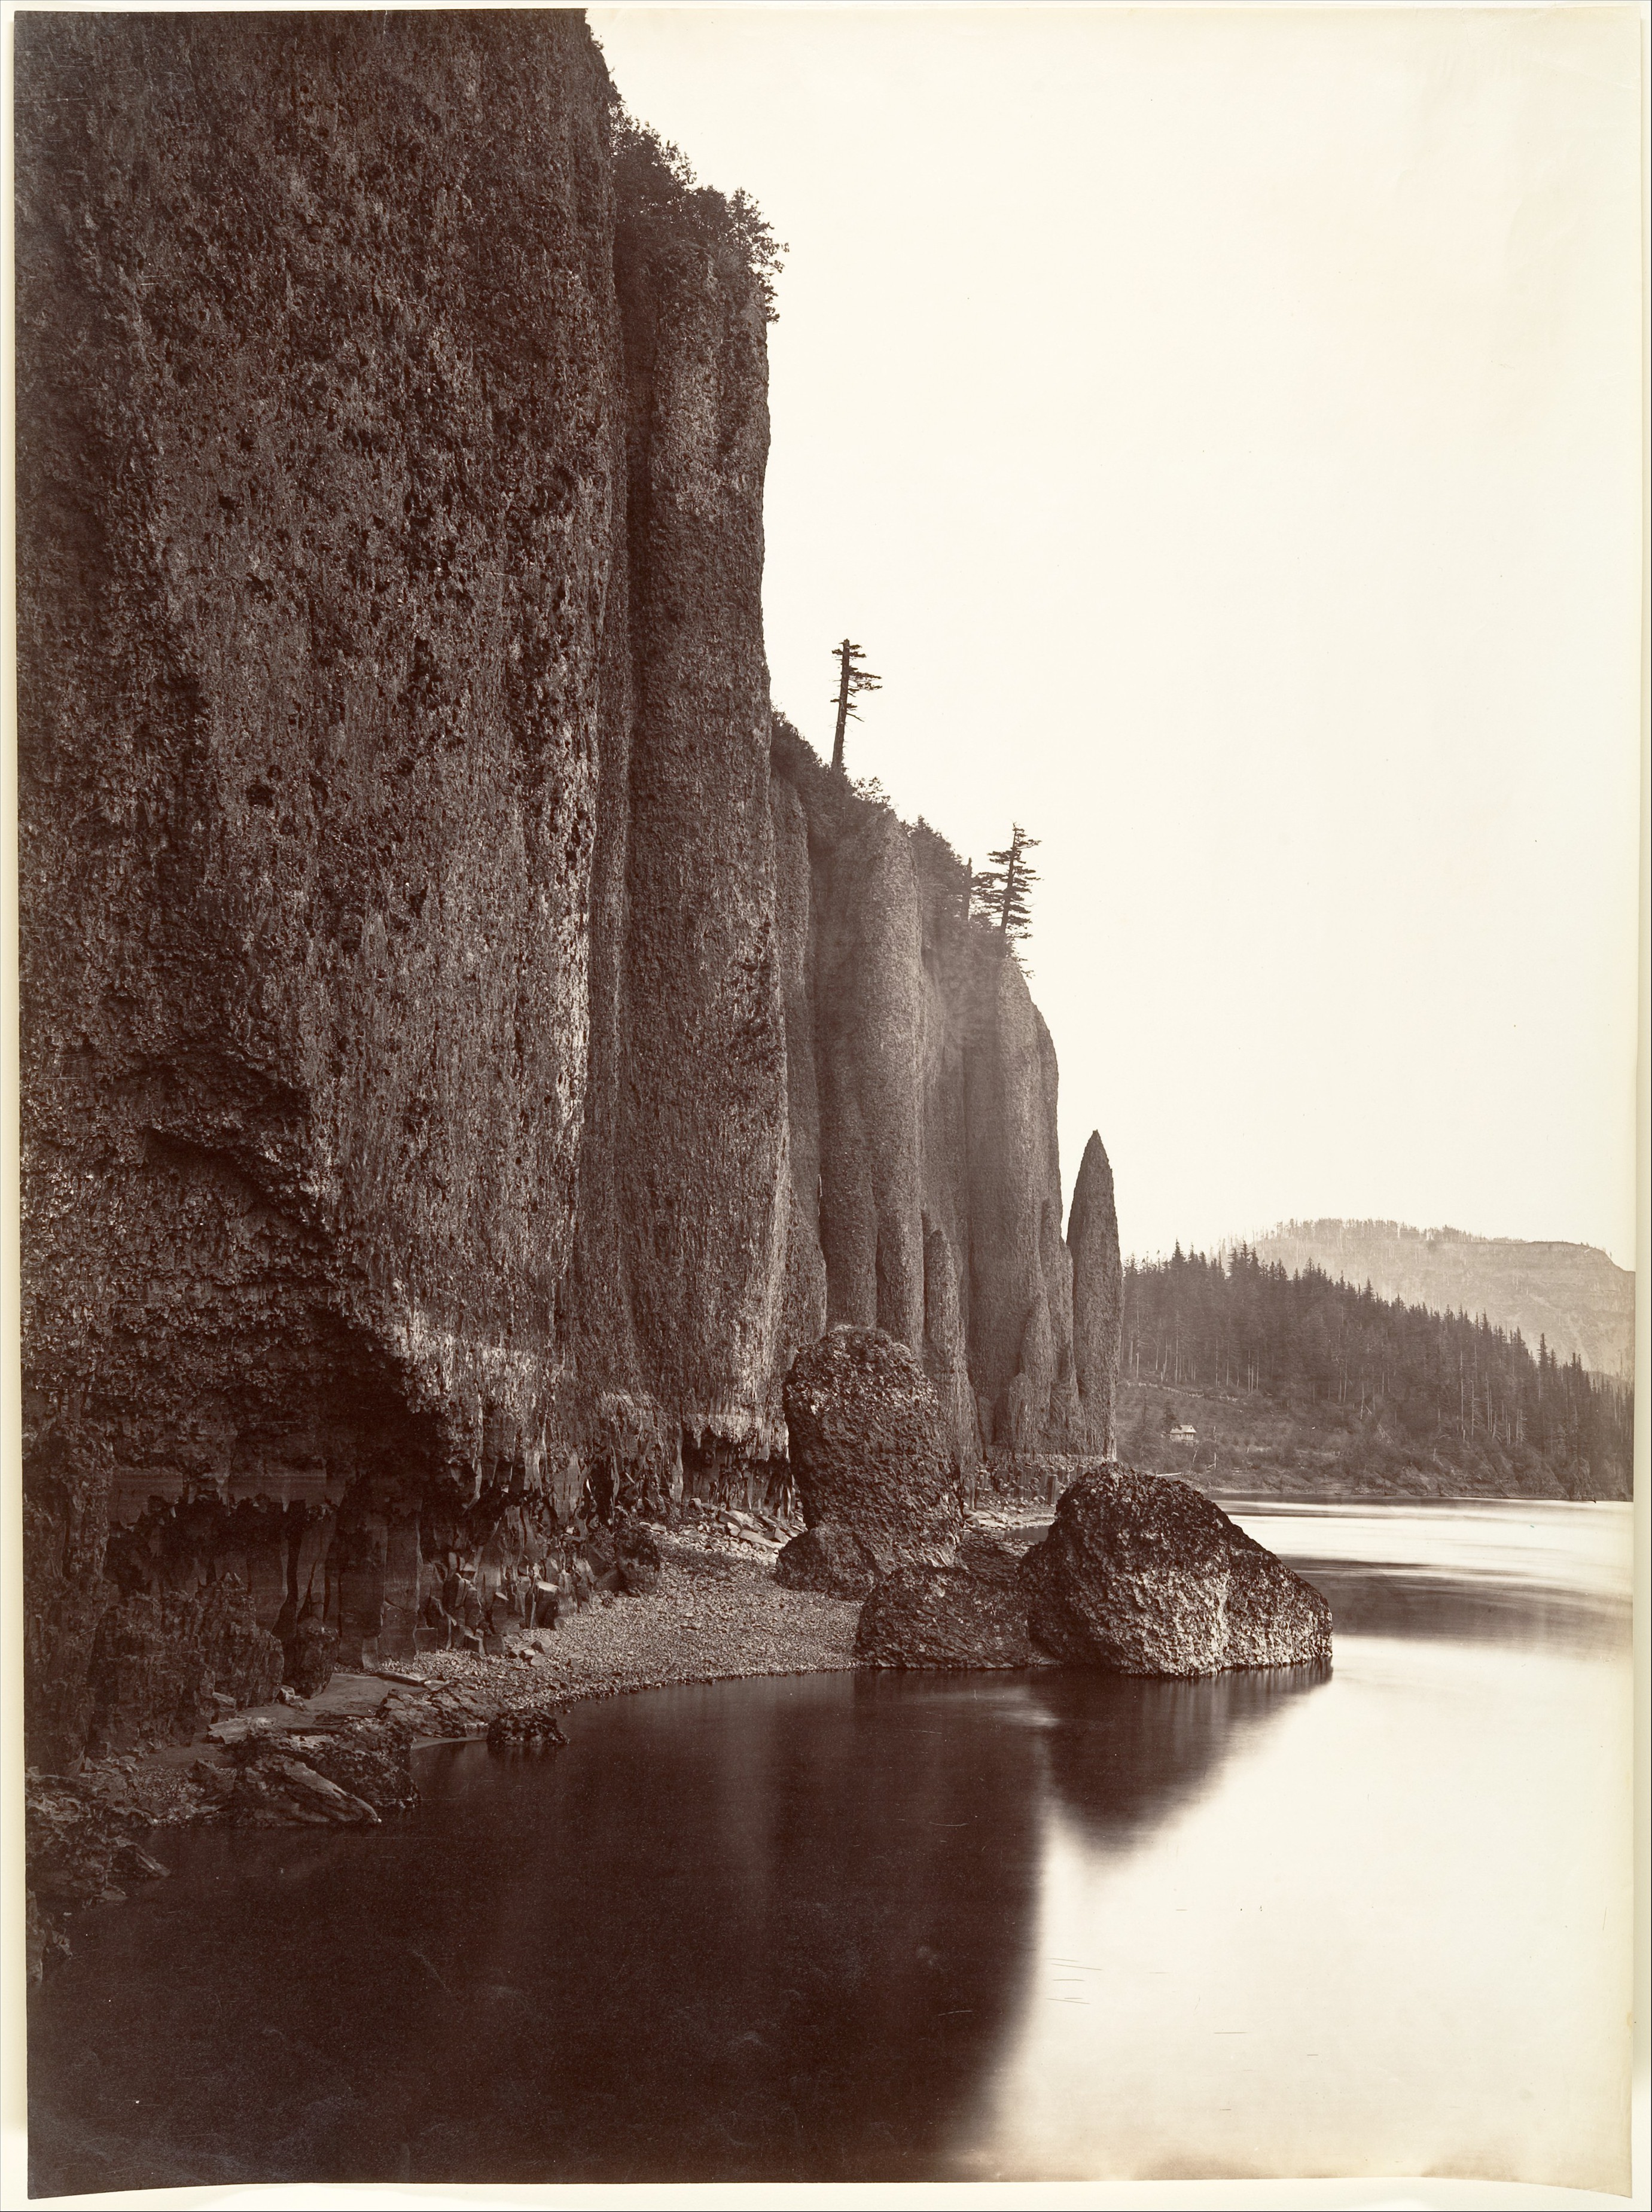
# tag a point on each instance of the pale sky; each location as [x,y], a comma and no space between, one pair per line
[1221,429]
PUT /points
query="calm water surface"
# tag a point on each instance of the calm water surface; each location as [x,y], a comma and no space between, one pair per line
[901,1928]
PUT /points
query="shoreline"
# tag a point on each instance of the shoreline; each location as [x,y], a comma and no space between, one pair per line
[716,1616]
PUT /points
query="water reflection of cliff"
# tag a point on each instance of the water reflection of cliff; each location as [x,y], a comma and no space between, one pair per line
[764,1931]
[1125,1752]
[768,1930]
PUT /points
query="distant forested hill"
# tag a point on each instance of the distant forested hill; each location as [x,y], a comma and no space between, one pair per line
[1571,1294]
[1238,1369]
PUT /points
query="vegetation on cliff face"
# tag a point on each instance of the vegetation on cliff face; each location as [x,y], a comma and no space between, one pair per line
[1002,888]
[667,212]
[1370,1390]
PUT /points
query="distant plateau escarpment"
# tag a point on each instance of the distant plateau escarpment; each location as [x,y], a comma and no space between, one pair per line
[1572,1297]
[470,1043]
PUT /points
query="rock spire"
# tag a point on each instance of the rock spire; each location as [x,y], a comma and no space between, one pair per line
[1098,1296]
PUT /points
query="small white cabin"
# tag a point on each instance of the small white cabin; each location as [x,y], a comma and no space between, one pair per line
[1183,1435]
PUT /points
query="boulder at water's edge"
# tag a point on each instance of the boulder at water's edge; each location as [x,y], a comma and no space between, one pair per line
[973,1614]
[1141,1574]
[829,1558]
[869,1447]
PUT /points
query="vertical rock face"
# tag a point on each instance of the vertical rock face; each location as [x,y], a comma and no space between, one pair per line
[317,498]
[804,1315]
[702,1135]
[318,476]
[931,1084]
[947,1352]
[1020,1314]
[157,1664]
[65,1534]
[1097,1298]
[467,1051]
[869,979]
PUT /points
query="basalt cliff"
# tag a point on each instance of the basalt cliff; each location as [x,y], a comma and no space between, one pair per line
[470,1041]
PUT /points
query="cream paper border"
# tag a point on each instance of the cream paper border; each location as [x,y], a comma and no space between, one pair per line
[1374,2193]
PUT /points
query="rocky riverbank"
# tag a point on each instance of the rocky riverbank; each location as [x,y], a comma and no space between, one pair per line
[711,1607]
[345,1755]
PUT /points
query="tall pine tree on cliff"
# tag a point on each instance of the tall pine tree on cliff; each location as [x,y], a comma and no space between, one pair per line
[851,681]
[1001,889]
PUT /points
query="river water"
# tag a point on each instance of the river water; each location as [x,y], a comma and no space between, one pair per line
[1038,1926]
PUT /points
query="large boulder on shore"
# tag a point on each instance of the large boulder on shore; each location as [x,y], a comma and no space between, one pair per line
[637,1558]
[281,1792]
[1141,1574]
[971,1614]
[829,1558]
[869,1449]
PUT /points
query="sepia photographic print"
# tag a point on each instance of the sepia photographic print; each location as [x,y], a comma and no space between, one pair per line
[829,831]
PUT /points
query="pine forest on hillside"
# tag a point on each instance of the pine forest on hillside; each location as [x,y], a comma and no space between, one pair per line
[1378,1391]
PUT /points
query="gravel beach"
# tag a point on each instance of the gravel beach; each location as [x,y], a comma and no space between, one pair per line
[717,1613]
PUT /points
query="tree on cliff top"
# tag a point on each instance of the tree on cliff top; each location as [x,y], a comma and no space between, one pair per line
[851,682]
[1000,889]
[657,196]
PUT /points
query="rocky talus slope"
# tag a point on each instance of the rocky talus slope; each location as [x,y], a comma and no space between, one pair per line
[468,1044]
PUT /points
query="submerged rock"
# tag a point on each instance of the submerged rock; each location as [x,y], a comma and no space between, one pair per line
[830,1559]
[277,1791]
[133,1863]
[533,1724]
[869,1450]
[954,1616]
[1143,1575]
[44,1944]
